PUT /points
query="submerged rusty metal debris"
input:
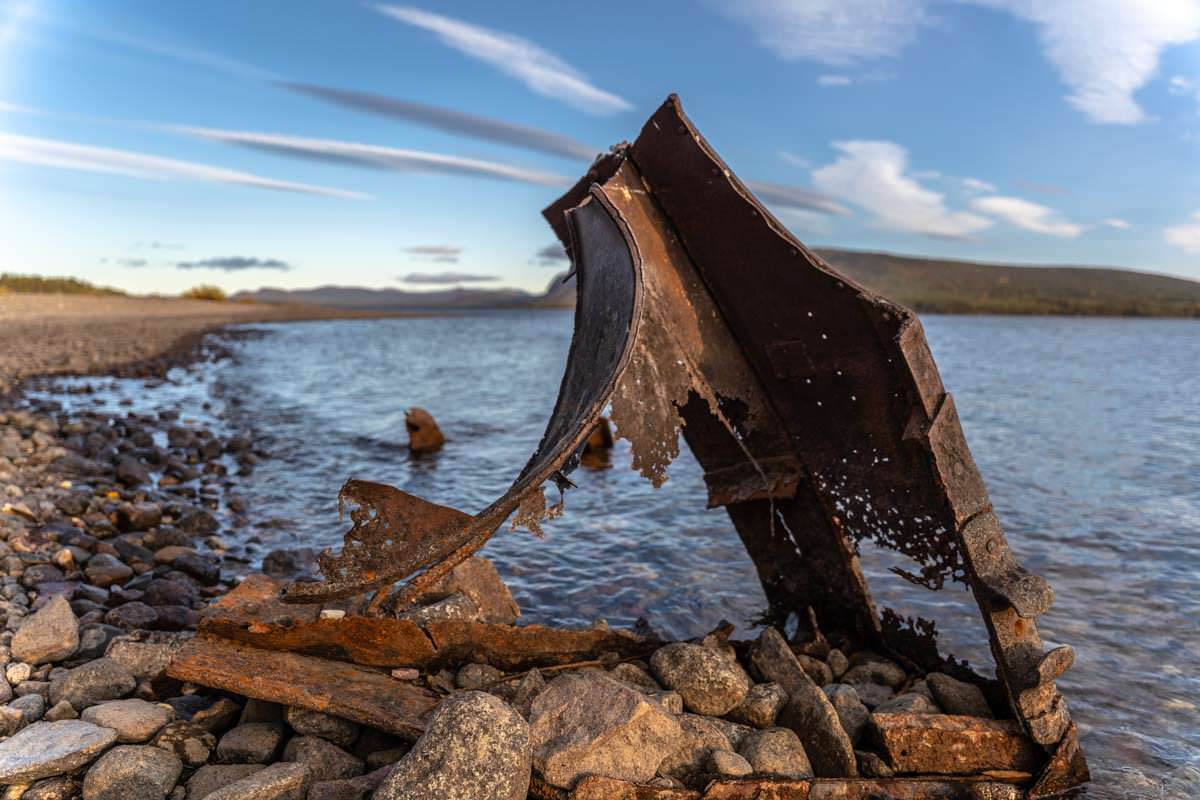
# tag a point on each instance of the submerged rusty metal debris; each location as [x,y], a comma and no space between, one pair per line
[817,413]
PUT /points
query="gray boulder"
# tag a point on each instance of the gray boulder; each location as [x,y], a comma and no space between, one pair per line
[341,732]
[590,724]
[475,747]
[762,705]
[850,710]
[728,764]
[145,654]
[91,683]
[700,737]
[954,696]
[710,681]
[50,634]
[252,743]
[325,760]
[130,772]
[191,743]
[211,777]
[776,751]
[133,720]
[282,781]
[45,749]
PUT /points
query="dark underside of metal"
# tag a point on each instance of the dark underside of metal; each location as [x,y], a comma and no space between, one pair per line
[813,405]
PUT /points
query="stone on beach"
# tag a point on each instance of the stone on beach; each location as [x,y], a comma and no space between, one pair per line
[728,764]
[210,777]
[340,731]
[958,697]
[776,751]
[282,781]
[762,705]
[850,710]
[700,737]
[91,683]
[709,681]
[475,747]
[191,743]
[51,748]
[251,743]
[133,720]
[51,634]
[325,760]
[132,772]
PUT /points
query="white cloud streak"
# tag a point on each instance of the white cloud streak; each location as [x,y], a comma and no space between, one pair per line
[1027,216]
[375,156]
[875,176]
[1105,50]
[540,70]
[976,185]
[1116,222]
[1185,236]
[87,158]
[834,80]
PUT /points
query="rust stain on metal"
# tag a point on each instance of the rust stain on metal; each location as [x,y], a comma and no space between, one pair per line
[333,687]
[951,745]
[937,788]
[813,405]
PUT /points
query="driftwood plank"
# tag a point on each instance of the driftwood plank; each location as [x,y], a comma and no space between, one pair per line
[334,687]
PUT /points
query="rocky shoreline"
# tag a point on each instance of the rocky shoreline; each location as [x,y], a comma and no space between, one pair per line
[111,541]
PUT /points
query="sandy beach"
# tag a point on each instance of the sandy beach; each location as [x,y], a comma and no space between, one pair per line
[45,334]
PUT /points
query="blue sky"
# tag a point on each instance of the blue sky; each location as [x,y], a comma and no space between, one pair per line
[154,145]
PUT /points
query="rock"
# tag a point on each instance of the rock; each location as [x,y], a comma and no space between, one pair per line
[131,472]
[884,673]
[850,710]
[955,696]
[252,743]
[51,748]
[473,676]
[528,688]
[59,788]
[709,681]
[133,720]
[218,717]
[588,723]
[283,781]
[104,570]
[176,618]
[816,669]
[212,777]
[91,683]
[191,743]
[359,788]
[325,760]
[908,703]
[162,592]
[670,700]
[146,655]
[475,747]
[49,635]
[94,639]
[385,758]
[635,676]
[132,616]
[130,772]
[456,606]
[11,720]
[138,516]
[198,522]
[776,751]
[871,765]
[16,672]
[872,694]
[60,711]
[340,731]
[735,732]
[838,664]
[808,711]
[261,711]
[472,590]
[424,435]
[762,704]
[205,569]
[31,706]
[728,764]
[700,736]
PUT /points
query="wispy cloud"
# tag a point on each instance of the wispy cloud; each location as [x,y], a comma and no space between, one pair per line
[1037,187]
[135,263]
[796,197]
[475,126]
[1027,215]
[442,253]
[1116,222]
[552,255]
[794,159]
[875,176]
[235,263]
[837,33]
[976,185]
[1106,51]
[445,278]
[375,156]
[834,80]
[539,69]
[1186,235]
[86,158]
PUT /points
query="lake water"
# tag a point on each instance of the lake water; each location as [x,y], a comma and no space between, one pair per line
[1087,432]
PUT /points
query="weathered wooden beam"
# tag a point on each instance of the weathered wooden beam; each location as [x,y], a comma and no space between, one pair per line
[943,744]
[333,687]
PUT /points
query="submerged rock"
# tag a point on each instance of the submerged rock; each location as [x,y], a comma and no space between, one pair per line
[475,747]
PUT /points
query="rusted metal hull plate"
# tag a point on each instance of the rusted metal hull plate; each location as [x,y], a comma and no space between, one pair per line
[333,687]
[936,788]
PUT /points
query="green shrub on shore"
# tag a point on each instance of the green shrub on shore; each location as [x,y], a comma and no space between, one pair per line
[12,282]
[205,291]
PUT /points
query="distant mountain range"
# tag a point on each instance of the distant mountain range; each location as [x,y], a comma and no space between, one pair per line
[923,284]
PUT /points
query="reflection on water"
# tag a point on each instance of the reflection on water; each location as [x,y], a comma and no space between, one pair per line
[1086,430]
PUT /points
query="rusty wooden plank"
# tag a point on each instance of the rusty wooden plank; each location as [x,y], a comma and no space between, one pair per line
[333,687]
[254,614]
[943,744]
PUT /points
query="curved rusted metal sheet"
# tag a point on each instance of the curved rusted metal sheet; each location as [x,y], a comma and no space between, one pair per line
[813,405]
